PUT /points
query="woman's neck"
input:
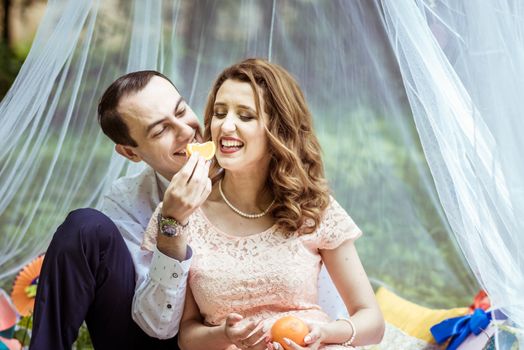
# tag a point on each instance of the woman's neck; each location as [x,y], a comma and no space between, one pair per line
[248,193]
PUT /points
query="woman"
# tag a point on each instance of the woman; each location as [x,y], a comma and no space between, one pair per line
[268,225]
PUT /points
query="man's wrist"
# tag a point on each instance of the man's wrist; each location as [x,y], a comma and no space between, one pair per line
[175,247]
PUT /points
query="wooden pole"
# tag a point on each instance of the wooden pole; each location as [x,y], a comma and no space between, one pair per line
[5,34]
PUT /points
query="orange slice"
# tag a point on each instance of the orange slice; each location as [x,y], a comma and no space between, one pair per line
[289,327]
[206,149]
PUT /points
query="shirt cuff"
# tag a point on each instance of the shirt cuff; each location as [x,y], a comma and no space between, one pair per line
[167,271]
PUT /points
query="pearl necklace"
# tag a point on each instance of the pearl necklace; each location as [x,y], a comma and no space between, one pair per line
[239,212]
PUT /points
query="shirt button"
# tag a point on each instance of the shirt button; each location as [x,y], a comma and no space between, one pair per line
[169,306]
[175,275]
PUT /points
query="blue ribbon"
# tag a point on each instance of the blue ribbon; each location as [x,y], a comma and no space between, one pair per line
[457,329]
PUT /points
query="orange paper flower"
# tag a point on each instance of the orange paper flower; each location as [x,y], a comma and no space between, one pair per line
[481,301]
[24,288]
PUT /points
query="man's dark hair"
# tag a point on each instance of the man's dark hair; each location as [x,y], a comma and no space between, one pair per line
[110,120]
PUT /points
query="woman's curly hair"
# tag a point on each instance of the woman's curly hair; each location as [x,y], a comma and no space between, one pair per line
[296,173]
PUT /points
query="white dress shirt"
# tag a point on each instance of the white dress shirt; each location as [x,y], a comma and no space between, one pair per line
[160,280]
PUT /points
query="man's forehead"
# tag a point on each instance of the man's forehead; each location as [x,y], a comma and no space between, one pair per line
[154,91]
[160,82]
[159,96]
[133,108]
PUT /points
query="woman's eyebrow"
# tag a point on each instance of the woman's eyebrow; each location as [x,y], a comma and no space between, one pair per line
[248,108]
[221,104]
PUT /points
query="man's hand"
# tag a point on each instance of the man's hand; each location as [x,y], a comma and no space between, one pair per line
[188,189]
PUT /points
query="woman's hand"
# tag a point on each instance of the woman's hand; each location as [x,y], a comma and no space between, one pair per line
[245,336]
[313,339]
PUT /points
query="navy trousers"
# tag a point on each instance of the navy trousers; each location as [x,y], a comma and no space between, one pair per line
[88,274]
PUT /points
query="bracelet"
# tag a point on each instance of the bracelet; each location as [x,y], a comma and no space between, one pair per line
[350,341]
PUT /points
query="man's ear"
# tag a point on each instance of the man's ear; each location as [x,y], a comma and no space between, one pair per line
[128,152]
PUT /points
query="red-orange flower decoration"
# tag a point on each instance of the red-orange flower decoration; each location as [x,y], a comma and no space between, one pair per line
[481,301]
[24,288]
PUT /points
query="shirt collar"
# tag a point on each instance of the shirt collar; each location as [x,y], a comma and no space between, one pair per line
[162,183]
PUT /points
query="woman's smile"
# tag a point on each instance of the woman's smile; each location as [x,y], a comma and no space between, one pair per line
[229,145]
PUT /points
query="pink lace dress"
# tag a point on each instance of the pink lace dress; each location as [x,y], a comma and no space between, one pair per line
[262,276]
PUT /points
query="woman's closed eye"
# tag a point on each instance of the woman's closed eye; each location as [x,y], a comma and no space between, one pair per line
[246,117]
[242,115]
[219,115]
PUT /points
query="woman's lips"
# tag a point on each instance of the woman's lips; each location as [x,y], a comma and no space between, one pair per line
[230,145]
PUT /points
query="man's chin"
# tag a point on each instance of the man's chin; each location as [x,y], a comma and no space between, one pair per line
[179,164]
[169,173]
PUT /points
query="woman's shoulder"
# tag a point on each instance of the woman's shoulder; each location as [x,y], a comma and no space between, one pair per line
[333,210]
[336,226]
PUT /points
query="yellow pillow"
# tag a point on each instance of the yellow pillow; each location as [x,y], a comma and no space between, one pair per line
[411,318]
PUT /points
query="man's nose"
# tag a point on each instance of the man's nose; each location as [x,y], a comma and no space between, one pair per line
[185,132]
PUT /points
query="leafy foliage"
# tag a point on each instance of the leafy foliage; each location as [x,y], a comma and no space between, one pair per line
[407,243]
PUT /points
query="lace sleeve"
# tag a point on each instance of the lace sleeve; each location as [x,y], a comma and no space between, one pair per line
[336,227]
[149,241]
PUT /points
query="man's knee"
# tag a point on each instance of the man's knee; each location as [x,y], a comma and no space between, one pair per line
[89,219]
[83,226]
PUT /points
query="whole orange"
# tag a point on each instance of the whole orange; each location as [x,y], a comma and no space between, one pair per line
[289,327]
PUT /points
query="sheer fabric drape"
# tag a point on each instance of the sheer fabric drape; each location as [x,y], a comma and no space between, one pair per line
[462,64]
[367,84]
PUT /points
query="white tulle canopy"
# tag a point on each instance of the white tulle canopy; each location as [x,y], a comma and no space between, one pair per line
[417,105]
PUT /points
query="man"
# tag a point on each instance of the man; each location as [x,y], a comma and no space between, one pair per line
[94,263]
